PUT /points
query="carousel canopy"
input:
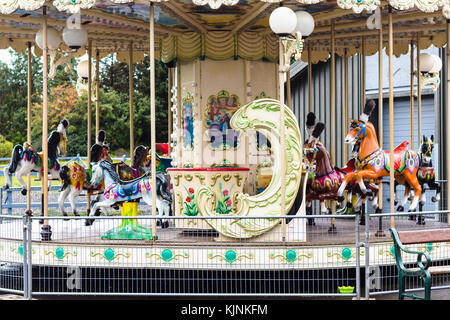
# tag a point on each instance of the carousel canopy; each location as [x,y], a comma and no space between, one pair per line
[224,29]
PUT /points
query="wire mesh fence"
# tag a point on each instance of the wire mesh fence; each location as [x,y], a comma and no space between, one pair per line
[344,255]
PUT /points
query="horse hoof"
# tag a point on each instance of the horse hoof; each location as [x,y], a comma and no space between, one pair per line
[422,203]
[89,222]
[340,199]
[24,192]
[158,223]
[165,224]
[311,222]
[412,210]
[395,202]
[400,208]
[349,205]
[434,199]
[76,214]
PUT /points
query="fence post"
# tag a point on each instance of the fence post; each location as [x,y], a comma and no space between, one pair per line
[358,263]
[1,203]
[25,256]
[30,255]
[366,254]
[9,195]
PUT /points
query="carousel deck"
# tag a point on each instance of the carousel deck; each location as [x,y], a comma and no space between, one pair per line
[74,231]
[73,243]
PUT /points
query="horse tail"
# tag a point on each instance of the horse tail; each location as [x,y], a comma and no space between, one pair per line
[15,158]
[65,177]
[162,189]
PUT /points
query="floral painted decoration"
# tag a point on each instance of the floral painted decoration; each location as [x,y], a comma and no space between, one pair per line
[224,203]
[190,208]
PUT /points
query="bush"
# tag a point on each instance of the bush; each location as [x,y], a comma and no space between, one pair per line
[5,147]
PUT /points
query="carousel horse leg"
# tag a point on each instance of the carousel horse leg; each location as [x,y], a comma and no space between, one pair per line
[401,207]
[19,176]
[358,210]
[62,197]
[309,212]
[72,196]
[95,210]
[411,179]
[435,186]
[323,207]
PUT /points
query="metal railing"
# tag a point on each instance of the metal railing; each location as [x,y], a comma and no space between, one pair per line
[193,262]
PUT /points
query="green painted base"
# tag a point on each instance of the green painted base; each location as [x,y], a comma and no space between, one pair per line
[129,229]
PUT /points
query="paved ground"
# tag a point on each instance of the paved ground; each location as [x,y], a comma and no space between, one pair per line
[443,294]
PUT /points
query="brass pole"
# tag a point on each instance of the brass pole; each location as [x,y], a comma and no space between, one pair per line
[29,88]
[131,96]
[363,47]
[153,114]
[89,114]
[380,232]
[288,89]
[169,106]
[46,229]
[345,102]
[309,80]
[332,228]
[391,115]
[97,85]
[419,93]
[411,99]
[282,139]
[447,160]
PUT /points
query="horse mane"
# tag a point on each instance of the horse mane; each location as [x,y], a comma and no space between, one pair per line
[139,154]
[53,142]
[109,167]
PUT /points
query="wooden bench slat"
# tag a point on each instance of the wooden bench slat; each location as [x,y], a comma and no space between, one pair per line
[424,236]
[435,269]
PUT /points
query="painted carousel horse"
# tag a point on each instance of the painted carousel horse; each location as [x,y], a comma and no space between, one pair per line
[118,191]
[324,180]
[372,163]
[75,177]
[26,159]
[426,176]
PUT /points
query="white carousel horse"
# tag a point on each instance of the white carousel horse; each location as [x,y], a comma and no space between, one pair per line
[25,160]
[118,191]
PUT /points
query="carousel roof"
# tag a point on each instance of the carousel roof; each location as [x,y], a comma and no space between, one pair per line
[223,29]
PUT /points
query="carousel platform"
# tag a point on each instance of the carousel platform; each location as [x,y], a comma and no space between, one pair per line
[190,263]
[74,243]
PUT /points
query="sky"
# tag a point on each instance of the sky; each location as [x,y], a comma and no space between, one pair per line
[5,56]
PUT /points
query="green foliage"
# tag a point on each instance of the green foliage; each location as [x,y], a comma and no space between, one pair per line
[5,147]
[65,103]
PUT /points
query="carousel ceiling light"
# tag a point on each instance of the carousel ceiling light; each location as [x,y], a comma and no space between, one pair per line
[215,4]
[53,38]
[75,38]
[283,21]
[83,69]
[430,66]
[305,23]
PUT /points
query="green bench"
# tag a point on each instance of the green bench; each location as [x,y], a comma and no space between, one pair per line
[423,269]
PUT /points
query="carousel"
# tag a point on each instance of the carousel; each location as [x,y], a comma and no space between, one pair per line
[236,148]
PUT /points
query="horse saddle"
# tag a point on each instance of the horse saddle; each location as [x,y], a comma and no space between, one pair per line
[399,153]
[129,188]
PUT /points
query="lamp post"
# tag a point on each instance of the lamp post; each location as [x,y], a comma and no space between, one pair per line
[288,26]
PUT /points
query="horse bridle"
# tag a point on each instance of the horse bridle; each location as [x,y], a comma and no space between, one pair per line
[362,130]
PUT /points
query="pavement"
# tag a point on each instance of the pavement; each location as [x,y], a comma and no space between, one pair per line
[441,294]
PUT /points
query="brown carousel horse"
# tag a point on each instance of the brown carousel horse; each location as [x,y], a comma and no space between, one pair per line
[372,163]
[324,180]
